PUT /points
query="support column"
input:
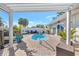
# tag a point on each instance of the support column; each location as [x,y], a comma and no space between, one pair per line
[68,14]
[10,29]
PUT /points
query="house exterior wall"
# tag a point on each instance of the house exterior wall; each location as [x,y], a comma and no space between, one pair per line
[74,22]
[55,26]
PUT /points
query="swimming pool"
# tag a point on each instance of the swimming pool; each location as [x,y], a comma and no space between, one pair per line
[39,37]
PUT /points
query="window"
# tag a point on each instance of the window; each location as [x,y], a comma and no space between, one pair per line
[54,30]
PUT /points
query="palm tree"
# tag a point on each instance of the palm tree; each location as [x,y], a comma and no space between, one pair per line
[25,22]
[22,22]
[15,28]
[40,26]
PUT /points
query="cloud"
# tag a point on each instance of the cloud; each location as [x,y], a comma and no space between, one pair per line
[34,23]
[50,17]
[31,22]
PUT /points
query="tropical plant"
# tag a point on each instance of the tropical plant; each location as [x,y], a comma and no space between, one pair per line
[1,40]
[48,28]
[40,26]
[33,27]
[5,28]
[15,28]
[63,34]
[22,22]
[25,22]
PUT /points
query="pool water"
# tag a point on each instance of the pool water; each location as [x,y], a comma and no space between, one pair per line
[39,37]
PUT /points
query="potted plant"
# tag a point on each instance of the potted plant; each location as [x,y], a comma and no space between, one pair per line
[62,34]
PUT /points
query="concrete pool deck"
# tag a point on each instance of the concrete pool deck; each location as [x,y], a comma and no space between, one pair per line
[28,47]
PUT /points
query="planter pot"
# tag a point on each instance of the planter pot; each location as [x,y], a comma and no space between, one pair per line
[64,50]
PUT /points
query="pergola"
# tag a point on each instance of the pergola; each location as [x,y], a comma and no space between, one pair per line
[38,7]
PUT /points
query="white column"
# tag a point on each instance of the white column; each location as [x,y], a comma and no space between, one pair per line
[68,14]
[10,29]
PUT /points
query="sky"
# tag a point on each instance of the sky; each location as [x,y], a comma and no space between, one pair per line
[33,17]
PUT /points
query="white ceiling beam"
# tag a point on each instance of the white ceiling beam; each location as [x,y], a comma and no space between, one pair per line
[5,7]
[38,7]
[37,4]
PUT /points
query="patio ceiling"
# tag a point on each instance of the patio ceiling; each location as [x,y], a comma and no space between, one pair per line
[40,7]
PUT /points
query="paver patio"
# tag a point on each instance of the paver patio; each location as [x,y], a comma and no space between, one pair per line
[28,47]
